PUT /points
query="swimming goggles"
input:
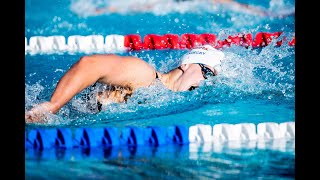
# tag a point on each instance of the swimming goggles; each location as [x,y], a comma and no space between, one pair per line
[206,72]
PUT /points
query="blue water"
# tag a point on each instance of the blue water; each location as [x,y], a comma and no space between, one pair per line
[258,85]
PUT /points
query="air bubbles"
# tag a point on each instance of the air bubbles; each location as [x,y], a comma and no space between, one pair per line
[59,70]
[267,27]
[56,19]
[32,74]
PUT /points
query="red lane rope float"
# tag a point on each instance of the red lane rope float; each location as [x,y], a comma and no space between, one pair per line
[133,42]
[154,41]
[173,41]
[263,39]
[292,42]
[240,40]
[188,41]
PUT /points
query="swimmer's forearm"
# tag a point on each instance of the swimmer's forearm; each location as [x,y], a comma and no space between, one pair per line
[80,76]
[245,6]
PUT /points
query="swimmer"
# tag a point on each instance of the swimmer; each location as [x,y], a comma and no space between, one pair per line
[142,6]
[127,74]
[253,9]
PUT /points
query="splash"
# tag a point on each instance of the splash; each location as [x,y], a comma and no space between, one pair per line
[282,7]
[253,72]
[86,8]
[267,73]
[31,94]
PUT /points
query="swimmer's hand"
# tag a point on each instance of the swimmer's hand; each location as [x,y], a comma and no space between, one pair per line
[31,117]
[38,114]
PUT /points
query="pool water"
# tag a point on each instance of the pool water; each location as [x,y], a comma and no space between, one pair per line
[257,85]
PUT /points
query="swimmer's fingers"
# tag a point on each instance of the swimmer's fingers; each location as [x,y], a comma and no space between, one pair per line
[32,117]
[28,118]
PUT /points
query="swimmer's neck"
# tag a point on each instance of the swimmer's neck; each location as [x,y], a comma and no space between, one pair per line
[170,79]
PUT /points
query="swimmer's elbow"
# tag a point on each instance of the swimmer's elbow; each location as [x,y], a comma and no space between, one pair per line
[87,59]
[97,66]
[92,62]
[84,60]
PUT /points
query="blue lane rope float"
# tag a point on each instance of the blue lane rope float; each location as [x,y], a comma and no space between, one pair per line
[156,136]
[178,134]
[41,139]
[133,136]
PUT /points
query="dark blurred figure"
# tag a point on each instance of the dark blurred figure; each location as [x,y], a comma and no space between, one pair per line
[144,5]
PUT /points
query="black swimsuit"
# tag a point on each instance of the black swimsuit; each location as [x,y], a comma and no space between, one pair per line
[99,105]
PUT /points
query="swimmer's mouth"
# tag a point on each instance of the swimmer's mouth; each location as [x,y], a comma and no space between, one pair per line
[192,88]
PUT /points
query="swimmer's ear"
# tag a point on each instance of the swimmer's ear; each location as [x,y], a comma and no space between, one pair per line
[184,66]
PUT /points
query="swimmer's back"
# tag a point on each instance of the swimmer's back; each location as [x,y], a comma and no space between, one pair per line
[125,71]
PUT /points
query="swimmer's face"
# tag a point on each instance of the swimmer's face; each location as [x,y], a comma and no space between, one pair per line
[193,74]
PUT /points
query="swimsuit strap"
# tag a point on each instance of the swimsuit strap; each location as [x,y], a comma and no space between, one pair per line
[181,69]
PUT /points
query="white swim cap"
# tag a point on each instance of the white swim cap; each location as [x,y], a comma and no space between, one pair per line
[205,54]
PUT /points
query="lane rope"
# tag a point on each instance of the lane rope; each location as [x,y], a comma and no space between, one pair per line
[134,42]
[101,137]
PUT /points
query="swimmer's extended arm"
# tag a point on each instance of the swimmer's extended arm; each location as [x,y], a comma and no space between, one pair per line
[236,4]
[82,74]
[133,7]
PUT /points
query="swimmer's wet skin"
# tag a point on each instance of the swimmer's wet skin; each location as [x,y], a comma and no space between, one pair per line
[206,72]
[129,74]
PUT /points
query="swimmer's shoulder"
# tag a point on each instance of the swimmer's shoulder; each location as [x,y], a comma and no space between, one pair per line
[135,61]
[103,56]
[114,56]
[127,63]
